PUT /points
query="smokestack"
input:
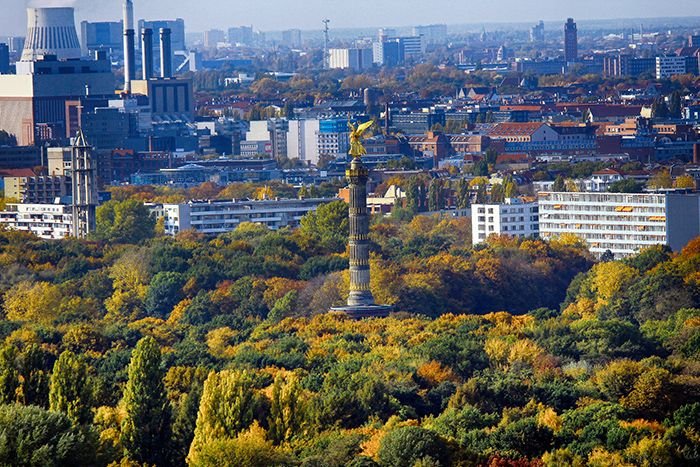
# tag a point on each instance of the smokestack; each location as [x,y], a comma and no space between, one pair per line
[166,54]
[129,45]
[147,53]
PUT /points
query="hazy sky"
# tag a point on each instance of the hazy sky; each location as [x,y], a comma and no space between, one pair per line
[307,14]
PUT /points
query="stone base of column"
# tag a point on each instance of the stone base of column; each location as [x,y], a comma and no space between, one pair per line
[364,311]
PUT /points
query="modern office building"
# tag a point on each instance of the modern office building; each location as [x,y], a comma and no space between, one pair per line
[514,217]
[215,217]
[667,67]
[570,41]
[627,65]
[292,38]
[333,138]
[433,34]
[242,35]
[537,33]
[213,38]
[4,59]
[694,40]
[620,222]
[102,36]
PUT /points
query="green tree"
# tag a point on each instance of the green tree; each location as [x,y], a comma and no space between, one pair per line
[329,225]
[34,388]
[70,392]
[407,445]
[463,194]
[126,221]
[32,436]
[164,292]
[627,185]
[9,376]
[146,425]
[228,406]
[675,105]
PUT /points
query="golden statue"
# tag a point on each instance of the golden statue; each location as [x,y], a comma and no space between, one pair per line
[357,135]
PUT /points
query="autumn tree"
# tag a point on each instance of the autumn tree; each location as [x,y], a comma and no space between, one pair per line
[328,225]
[146,426]
[228,406]
[286,409]
[8,374]
[126,221]
[70,390]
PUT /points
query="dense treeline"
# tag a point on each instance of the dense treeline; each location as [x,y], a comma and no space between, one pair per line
[148,350]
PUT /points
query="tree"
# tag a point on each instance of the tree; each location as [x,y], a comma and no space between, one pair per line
[329,225]
[463,194]
[9,376]
[34,377]
[684,181]
[675,105]
[70,391]
[228,406]
[407,445]
[436,199]
[146,425]
[164,293]
[559,184]
[662,179]
[627,185]
[286,410]
[32,436]
[35,302]
[659,109]
[7,139]
[127,221]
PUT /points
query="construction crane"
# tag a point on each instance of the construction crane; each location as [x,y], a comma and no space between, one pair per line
[326,41]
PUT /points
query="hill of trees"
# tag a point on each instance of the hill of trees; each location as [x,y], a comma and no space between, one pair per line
[140,349]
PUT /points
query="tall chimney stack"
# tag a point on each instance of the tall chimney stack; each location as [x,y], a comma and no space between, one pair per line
[129,45]
[147,53]
[166,54]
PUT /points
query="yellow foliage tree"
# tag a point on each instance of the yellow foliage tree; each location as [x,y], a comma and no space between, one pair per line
[36,302]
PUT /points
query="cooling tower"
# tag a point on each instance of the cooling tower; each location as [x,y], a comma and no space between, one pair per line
[51,31]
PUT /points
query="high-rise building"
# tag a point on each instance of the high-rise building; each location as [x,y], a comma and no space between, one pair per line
[105,36]
[242,35]
[570,41]
[4,59]
[434,34]
[302,141]
[537,33]
[694,40]
[670,66]
[292,38]
[351,59]
[213,37]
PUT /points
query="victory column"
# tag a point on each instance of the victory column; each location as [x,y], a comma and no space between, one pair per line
[360,302]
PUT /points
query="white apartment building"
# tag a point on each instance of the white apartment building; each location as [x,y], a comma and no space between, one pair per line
[351,59]
[47,221]
[302,140]
[670,66]
[215,217]
[623,223]
[514,217]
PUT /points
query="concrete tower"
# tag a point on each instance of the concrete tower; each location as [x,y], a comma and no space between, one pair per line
[570,41]
[360,301]
[51,31]
[84,181]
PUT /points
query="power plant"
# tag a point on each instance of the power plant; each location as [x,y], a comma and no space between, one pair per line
[129,45]
[51,31]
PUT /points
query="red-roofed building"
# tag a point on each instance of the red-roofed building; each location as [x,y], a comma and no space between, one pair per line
[513,162]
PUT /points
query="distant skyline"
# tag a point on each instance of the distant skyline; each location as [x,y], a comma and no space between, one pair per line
[271,15]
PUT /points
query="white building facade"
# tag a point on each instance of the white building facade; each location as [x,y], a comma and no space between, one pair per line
[514,218]
[623,223]
[215,217]
[670,66]
[47,221]
[302,140]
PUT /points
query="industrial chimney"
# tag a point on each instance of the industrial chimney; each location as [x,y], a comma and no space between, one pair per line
[166,54]
[51,31]
[147,53]
[129,45]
